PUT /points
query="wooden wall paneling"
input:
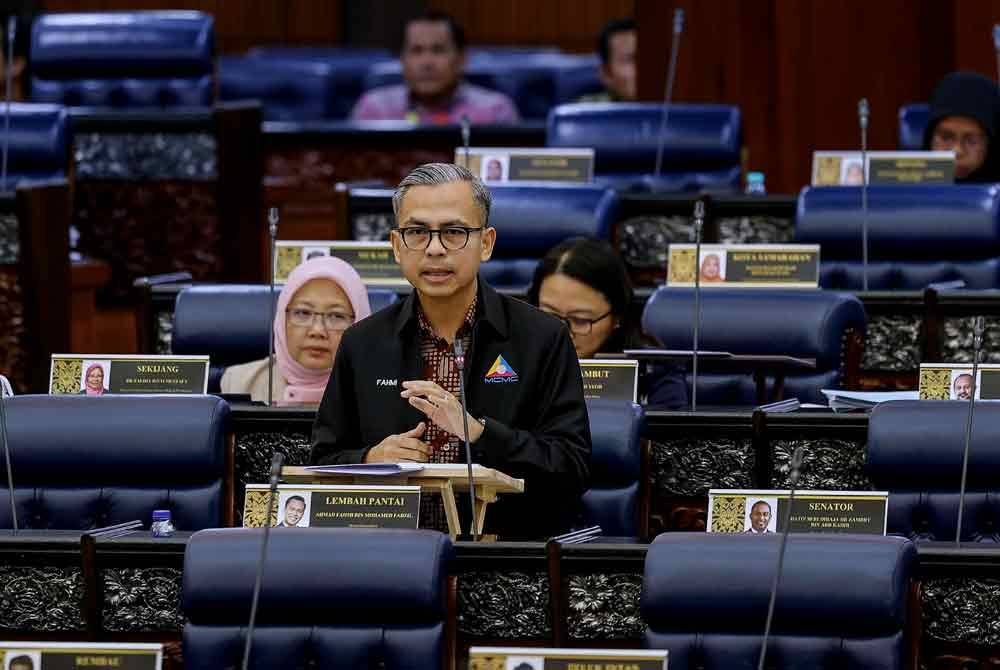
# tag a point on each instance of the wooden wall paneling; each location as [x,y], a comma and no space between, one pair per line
[972,27]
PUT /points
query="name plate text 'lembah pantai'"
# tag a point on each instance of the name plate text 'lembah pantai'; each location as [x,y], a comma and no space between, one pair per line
[759,512]
[745,265]
[494,164]
[374,261]
[333,506]
[100,374]
[526,658]
[614,379]
[75,655]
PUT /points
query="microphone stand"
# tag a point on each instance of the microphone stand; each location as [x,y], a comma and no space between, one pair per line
[4,391]
[272,229]
[793,480]
[863,122]
[675,45]
[699,220]
[460,362]
[466,134]
[276,462]
[977,343]
[8,70]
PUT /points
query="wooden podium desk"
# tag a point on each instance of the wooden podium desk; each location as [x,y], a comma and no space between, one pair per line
[442,478]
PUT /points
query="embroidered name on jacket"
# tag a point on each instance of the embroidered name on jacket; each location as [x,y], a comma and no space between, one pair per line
[385,382]
[500,372]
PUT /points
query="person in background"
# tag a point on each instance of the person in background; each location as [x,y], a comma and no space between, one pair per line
[433,59]
[963,118]
[617,48]
[584,283]
[320,300]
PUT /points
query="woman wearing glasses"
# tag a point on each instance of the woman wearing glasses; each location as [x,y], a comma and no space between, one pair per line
[963,118]
[320,299]
[584,283]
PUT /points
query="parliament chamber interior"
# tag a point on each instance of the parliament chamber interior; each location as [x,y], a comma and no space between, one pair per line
[489,335]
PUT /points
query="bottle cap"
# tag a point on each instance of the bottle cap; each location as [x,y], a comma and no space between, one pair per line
[161,515]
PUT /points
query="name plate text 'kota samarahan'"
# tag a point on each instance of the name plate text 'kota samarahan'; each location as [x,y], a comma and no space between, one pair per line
[745,265]
[333,506]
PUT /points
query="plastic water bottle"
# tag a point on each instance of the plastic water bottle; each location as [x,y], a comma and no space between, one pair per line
[755,184]
[162,525]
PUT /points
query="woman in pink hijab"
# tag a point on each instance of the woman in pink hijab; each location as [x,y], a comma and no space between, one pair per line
[320,299]
[93,380]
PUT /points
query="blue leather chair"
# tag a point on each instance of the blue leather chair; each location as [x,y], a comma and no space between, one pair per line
[287,90]
[842,601]
[917,235]
[826,326]
[912,124]
[915,452]
[335,598]
[229,323]
[39,144]
[702,148]
[84,462]
[532,218]
[612,502]
[127,60]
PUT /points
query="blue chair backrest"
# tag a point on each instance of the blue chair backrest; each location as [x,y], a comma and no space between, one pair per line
[229,323]
[915,452]
[842,602]
[916,235]
[85,462]
[612,502]
[702,148]
[287,90]
[38,144]
[335,597]
[912,124]
[128,59]
[756,322]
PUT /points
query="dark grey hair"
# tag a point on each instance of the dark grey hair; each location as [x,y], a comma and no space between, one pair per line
[435,174]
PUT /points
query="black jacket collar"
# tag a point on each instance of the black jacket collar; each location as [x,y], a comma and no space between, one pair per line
[489,311]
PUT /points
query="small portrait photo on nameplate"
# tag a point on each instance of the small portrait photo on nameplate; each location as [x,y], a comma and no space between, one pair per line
[373,261]
[744,265]
[333,506]
[494,168]
[103,374]
[847,168]
[610,379]
[954,381]
[521,658]
[529,164]
[762,512]
[71,655]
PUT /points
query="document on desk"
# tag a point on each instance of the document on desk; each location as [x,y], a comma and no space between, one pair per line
[367,469]
[847,400]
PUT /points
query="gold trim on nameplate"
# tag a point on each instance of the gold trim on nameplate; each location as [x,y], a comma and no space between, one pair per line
[681,265]
[66,373]
[935,383]
[286,260]
[255,508]
[728,514]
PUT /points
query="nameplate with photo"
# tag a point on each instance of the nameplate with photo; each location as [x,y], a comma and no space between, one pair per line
[540,658]
[844,168]
[333,506]
[610,379]
[74,655]
[498,165]
[953,381]
[759,512]
[373,261]
[100,374]
[745,265]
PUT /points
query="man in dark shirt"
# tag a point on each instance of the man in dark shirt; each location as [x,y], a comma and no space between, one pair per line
[393,393]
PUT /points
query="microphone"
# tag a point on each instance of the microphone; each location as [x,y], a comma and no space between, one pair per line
[272,230]
[11,32]
[996,46]
[466,134]
[460,362]
[675,44]
[699,220]
[978,328]
[793,480]
[276,462]
[6,390]
[863,122]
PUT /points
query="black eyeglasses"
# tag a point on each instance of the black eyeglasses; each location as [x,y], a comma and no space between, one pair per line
[453,238]
[578,325]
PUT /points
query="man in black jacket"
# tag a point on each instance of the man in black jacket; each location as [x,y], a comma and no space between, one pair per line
[392,395]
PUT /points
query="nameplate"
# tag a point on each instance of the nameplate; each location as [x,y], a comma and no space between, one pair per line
[610,379]
[98,374]
[374,261]
[494,164]
[745,265]
[528,658]
[953,381]
[844,168]
[758,512]
[333,506]
[74,655]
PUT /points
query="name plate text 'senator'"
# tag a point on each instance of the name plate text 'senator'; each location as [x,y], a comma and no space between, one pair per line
[333,506]
[527,658]
[759,512]
[100,374]
[745,265]
[495,164]
[374,261]
[843,168]
[76,655]
[614,379]
[953,381]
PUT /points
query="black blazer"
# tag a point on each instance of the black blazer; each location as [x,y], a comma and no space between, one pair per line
[536,422]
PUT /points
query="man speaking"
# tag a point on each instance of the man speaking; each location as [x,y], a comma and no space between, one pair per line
[393,393]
